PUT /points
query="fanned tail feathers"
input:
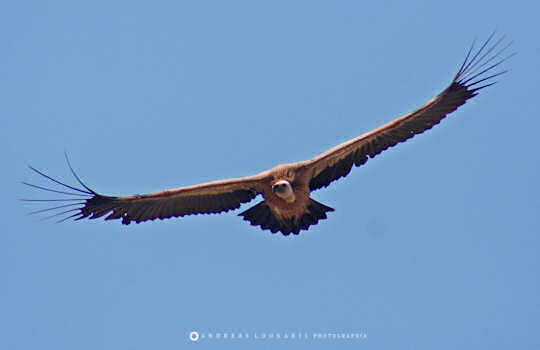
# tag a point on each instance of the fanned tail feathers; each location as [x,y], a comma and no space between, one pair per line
[261,215]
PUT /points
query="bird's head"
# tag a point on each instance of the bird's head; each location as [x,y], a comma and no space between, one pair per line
[283,189]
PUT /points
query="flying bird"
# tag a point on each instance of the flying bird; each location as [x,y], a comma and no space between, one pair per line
[286,204]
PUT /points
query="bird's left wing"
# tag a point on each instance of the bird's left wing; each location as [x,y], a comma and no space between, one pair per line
[207,198]
[474,74]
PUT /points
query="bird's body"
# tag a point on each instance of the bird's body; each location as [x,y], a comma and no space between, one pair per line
[286,190]
[287,206]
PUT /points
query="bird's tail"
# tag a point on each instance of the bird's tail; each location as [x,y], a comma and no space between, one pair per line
[261,215]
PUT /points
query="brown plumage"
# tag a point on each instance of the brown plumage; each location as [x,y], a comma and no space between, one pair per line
[286,206]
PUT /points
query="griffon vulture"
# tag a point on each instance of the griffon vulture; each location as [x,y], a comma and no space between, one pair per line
[286,206]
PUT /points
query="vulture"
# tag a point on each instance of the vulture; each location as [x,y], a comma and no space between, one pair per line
[286,204]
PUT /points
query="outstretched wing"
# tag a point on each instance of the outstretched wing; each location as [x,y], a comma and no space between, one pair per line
[475,73]
[207,198]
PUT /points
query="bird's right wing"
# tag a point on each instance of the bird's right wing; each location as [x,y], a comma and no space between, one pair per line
[207,198]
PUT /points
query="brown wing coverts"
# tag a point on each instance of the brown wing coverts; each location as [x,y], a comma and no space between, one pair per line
[474,70]
[142,209]
[391,137]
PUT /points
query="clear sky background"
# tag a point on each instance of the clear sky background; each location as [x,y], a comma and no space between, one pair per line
[433,245]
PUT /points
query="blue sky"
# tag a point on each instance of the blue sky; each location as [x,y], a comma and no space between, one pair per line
[434,244]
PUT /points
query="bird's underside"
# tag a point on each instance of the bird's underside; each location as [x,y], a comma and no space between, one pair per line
[286,206]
